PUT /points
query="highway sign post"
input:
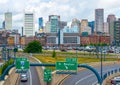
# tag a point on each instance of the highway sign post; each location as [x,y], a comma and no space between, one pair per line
[66,66]
[47,75]
[22,64]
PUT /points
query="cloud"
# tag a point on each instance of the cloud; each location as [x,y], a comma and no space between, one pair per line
[67,9]
[3,1]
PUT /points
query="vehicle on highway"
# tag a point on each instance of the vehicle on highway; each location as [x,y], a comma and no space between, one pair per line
[23,77]
[115,81]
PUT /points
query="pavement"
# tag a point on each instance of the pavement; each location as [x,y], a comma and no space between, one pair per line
[81,69]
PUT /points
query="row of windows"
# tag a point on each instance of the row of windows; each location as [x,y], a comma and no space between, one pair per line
[70,40]
[51,40]
[66,40]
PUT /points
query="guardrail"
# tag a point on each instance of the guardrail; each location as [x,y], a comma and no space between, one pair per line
[2,77]
[110,73]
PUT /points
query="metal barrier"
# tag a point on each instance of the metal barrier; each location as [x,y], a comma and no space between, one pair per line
[2,77]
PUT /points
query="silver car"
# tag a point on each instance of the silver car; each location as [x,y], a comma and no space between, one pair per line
[23,77]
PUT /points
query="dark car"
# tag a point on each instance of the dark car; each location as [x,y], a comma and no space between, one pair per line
[63,50]
[110,51]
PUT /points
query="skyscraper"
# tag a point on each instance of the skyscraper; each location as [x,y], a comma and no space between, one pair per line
[29,24]
[8,20]
[47,27]
[92,25]
[84,24]
[106,29]
[117,32]
[110,19]
[41,24]
[75,22]
[99,20]
[3,25]
[54,23]
[62,24]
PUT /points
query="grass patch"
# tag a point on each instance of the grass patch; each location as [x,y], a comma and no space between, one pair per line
[51,60]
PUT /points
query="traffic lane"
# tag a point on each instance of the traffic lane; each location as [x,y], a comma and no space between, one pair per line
[75,79]
[87,80]
[35,78]
[26,82]
[87,76]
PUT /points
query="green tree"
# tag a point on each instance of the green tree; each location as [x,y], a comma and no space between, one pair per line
[54,54]
[33,47]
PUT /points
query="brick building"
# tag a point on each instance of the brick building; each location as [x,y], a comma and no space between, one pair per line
[94,39]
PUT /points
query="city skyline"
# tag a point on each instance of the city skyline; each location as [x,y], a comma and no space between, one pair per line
[67,9]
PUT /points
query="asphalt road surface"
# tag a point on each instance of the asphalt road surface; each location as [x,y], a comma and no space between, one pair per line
[32,78]
[87,77]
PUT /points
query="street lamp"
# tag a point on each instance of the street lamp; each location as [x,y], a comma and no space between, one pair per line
[76,49]
[8,54]
[101,63]
[4,53]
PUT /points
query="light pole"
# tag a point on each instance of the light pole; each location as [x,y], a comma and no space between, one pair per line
[8,54]
[101,63]
[76,50]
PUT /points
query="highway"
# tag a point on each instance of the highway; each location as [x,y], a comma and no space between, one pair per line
[87,77]
[32,78]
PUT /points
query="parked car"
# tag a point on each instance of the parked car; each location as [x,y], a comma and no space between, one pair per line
[111,51]
[63,49]
[81,48]
[115,81]
[23,77]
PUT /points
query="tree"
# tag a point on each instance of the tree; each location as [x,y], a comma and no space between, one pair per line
[54,54]
[33,47]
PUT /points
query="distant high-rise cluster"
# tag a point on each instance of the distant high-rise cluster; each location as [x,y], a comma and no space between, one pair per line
[57,31]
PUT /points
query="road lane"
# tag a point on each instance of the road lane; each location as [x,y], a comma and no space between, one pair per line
[33,78]
[87,77]
[27,82]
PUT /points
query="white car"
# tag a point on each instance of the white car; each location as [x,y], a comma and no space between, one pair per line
[23,77]
[115,81]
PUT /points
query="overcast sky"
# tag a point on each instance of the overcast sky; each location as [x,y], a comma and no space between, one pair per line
[67,9]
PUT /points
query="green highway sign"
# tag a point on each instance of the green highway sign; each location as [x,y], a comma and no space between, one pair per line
[71,60]
[66,66]
[22,64]
[47,75]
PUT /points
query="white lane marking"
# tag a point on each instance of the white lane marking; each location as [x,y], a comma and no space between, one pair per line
[89,76]
[39,62]
[30,77]
[43,66]
[83,79]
